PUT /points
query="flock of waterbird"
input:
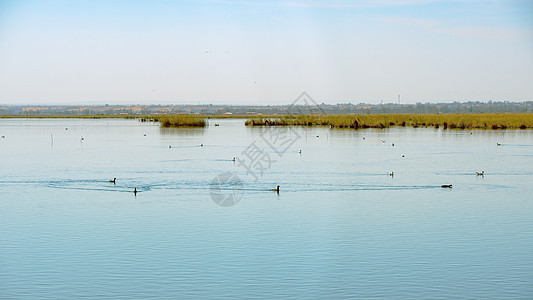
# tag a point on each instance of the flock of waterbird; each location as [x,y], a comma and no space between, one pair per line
[391,174]
[114,180]
[482,173]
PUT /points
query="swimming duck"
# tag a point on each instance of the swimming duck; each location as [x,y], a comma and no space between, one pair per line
[480,173]
[113,181]
[498,144]
[446,186]
[391,173]
[135,191]
[276,189]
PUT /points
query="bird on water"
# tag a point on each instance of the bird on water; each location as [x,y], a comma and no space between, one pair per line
[114,181]
[446,186]
[135,191]
[482,173]
[276,189]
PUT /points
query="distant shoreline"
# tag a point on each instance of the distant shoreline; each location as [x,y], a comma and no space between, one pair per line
[298,107]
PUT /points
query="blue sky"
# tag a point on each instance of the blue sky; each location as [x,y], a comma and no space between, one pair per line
[264,52]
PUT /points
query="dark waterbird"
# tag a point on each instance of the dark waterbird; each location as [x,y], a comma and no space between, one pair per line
[446,186]
[276,189]
[114,181]
[135,192]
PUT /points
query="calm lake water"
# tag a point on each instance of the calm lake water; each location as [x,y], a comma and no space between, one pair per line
[340,227]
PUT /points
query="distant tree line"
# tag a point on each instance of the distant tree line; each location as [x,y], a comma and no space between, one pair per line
[341,108]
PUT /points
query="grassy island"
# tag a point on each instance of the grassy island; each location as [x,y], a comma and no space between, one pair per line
[181,120]
[452,121]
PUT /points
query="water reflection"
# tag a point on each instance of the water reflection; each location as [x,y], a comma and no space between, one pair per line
[185,131]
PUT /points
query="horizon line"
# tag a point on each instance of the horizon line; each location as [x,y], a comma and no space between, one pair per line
[251,104]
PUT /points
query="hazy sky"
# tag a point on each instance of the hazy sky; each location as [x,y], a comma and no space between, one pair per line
[264,52]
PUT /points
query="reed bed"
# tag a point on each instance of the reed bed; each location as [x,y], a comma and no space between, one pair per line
[452,121]
[181,120]
[354,121]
